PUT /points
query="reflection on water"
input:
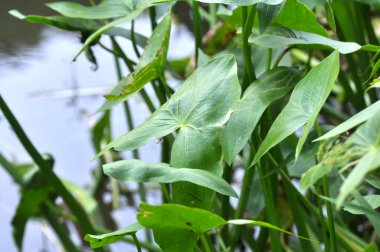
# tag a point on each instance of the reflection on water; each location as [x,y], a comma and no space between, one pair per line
[39,82]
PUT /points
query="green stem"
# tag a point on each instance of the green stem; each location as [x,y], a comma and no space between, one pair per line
[137,243]
[205,243]
[133,39]
[330,216]
[281,56]
[152,16]
[269,59]
[270,209]
[247,23]
[46,170]
[225,200]
[197,29]
[243,200]
[62,234]
[166,194]
[326,193]
[213,10]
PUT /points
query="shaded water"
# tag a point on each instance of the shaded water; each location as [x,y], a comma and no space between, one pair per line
[54,101]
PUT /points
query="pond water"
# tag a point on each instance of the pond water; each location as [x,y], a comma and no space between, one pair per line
[55,100]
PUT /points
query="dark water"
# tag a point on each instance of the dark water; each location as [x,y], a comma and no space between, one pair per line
[54,101]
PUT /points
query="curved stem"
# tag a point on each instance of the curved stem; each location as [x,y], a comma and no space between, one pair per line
[137,243]
[47,171]
[197,29]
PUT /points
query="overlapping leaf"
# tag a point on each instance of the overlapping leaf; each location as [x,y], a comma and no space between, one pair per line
[104,10]
[140,171]
[151,66]
[266,14]
[198,149]
[123,11]
[367,136]
[76,24]
[372,200]
[304,105]
[97,241]
[280,36]
[64,23]
[362,149]
[232,2]
[203,101]
[270,87]
[177,227]
[304,19]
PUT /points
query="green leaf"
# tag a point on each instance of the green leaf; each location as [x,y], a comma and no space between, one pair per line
[198,149]
[97,241]
[64,23]
[371,248]
[232,2]
[372,200]
[374,182]
[76,24]
[140,171]
[266,14]
[280,36]
[151,66]
[266,225]
[305,19]
[135,9]
[357,119]
[270,87]
[177,227]
[303,107]
[330,15]
[29,206]
[368,137]
[87,201]
[104,10]
[213,85]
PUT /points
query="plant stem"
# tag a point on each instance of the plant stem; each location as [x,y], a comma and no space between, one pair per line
[47,171]
[225,200]
[133,39]
[197,29]
[213,10]
[205,243]
[59,230]
[269,59]
[326,193]
[243,200]
[166,193]
[152,16]
[247,23]
[137,243]
[282,54]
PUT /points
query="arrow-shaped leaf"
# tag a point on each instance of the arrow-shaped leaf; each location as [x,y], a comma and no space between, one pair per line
[270,87]
[304,105]
[140,171]
[279,36]
[97,241]
[151,66]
